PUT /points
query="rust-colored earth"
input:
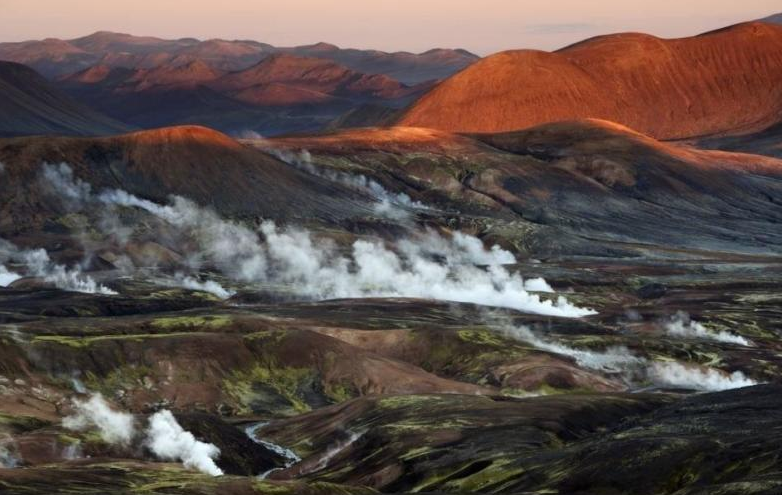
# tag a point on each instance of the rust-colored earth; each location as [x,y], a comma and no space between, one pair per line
[725,81]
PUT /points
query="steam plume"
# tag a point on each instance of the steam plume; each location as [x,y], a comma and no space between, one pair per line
[679,375]
[7,277]
[164,437]
[620,359]
[315,268]
[114,427]
[614,359]
[39,265]
[210,286]
[168,441]
[395,206]
[60,181]
[428,265]
[682,326]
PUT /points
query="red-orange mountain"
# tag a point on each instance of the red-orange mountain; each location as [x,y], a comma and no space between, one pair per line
[725,81]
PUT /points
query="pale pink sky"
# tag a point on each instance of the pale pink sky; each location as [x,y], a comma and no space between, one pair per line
[482,26]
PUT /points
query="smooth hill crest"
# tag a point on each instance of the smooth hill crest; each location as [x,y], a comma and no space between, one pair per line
[724,81]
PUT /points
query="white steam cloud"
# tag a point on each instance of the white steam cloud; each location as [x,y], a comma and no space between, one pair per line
[7,277]
[682,326]
[678,375]
[169,441]
[316,268]
[458,268]
[164,436]
[209,286]
[114,427]
[621,360]
[39,264]
[61,181]
[396,206]
[613,359]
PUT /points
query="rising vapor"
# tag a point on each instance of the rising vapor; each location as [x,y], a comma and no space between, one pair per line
[38,264]
[682,326]
[427,265]
[164,436]
[632,368]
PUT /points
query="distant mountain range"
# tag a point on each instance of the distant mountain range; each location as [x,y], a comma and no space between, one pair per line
[233,86]
[281,93]
[55,57]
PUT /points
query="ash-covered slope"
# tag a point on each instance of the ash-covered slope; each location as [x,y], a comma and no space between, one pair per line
[725,81]
[31,105]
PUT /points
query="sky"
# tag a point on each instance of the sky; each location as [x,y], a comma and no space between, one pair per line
[481,26]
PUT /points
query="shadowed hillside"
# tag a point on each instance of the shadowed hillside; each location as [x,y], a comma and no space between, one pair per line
[31,105]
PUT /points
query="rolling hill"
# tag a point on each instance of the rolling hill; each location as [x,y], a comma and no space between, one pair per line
[726,81]
[31,105]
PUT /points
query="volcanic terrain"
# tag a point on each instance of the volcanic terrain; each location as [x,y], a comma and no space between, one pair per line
[580,298]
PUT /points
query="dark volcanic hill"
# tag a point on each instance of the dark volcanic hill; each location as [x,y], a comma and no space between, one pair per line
[55,57]
[31,105]
[198,163]
[726,81]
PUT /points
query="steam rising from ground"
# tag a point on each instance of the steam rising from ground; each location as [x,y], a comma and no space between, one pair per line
[459,269]
[428,265]
[114,427]
[621,360]
[39,264]
[164,437]
[168,441]
[209,286]
[7,277]
[614,359]
[678,375]
[682,326]
[395,206]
